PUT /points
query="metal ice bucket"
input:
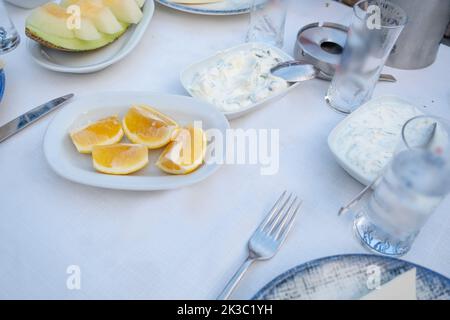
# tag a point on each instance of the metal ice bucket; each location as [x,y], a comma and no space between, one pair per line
[418,44]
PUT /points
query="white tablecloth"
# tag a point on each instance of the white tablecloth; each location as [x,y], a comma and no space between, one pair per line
[185,243]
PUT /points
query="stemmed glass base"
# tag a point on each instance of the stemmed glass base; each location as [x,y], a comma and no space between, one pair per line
[9,37]
[8,43]
[375,240]
[334,107]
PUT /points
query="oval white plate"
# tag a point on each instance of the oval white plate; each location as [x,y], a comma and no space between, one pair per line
[96,60]
[189,73]
[223,8]
[68,163]
[333,145]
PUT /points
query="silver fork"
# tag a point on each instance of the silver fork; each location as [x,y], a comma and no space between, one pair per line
[267,238]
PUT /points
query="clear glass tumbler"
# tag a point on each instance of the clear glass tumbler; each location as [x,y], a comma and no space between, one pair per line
[375,28]
[9,38]
[267,22]
[412,186]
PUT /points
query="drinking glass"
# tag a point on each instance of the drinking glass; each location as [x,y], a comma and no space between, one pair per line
[267,22]
[9,38]
[412,186]
[375,28]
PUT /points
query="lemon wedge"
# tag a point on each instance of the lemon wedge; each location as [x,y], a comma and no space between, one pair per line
[120,158]
[147,126]
[185,153]
[102,132]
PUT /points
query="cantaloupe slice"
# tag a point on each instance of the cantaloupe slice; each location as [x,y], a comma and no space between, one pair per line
[140,3]
[125,10]
[87,31]
[94,10]
[102,22]
[51,18]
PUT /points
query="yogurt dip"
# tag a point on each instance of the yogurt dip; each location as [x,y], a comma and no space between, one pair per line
[239,79]
[367,140]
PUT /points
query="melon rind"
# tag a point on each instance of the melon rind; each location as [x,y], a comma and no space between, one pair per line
[70,45]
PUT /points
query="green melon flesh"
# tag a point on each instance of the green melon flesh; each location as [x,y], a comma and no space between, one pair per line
[100,15]
[102,22]
[125,10]
[67,44]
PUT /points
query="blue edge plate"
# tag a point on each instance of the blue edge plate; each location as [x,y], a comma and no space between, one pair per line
[346,277]
[2,84]
[193,9]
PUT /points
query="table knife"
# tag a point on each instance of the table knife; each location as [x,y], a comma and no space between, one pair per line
[23,121]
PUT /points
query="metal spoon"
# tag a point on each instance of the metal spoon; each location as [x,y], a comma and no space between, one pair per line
[297,71]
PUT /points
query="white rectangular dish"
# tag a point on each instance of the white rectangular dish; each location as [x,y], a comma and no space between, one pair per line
[188,74]
[358,132]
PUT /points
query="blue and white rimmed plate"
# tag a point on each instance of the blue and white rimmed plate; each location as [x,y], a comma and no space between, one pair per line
[2,83]
[95,60]
[222,8]
[64,159]
[345,277]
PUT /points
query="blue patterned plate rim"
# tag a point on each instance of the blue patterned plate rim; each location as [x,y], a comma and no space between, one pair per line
[304,266]
[2,83]
[190,9]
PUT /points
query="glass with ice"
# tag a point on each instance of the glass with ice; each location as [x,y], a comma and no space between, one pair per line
[9,38]
[267,22]
[375,28]
[411,188]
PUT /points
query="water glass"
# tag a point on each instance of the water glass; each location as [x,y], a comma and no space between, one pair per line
[411,188]
[375,28]
[9,38]
[267,22]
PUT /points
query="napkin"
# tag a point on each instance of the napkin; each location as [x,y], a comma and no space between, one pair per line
[402,287]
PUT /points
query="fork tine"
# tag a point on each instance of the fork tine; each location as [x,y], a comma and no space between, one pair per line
[284,216]
[271,212]
[279,214]
[287,226]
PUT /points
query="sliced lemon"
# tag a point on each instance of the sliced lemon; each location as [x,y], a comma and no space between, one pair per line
[121,158]
[147,126]
[185,153]
[102,132]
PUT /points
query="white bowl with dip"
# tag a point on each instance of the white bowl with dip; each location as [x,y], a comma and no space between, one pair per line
[365,141]
[188,77]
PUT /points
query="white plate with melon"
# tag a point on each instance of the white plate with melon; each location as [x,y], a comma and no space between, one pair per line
[107,31]
[146,165]
[209,7]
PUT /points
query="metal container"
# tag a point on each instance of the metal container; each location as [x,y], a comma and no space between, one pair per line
[418,44]
[321,44]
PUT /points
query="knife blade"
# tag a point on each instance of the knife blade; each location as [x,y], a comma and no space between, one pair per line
[23,121]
